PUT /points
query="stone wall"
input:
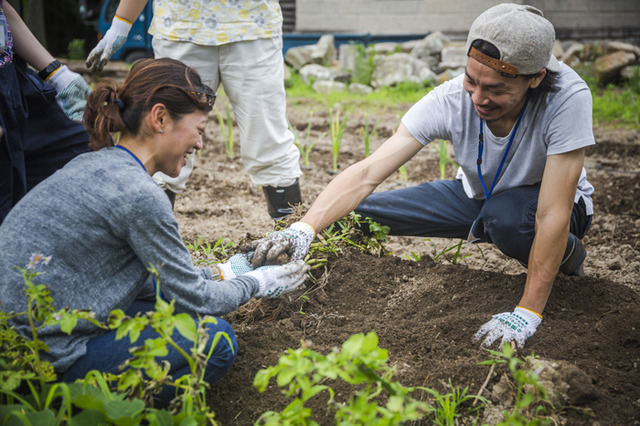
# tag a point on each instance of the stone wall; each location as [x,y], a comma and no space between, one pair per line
[578,19]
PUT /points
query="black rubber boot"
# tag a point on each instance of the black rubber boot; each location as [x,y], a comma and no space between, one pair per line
[172,196]
[574,255]
[281,199]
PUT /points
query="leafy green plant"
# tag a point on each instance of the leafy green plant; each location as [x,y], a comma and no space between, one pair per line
[304,373]
[363,64]
[29,394]
[337,126]
[212,253]
[444,158]
[417,257]
[522,410]
[346,232]
[227,134]
[76,49]
[448,408]
[402,172]
[457,255]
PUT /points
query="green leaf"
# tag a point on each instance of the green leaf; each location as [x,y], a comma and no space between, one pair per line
[89,417]
[124,412]
[159,418]
[186,326]
[68,323]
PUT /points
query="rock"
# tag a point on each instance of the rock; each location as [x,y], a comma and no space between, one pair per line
[341,76]
[299,56]
[629,71]
[615,46]
[324,52]
[430,45]
[348,54]
[608,66]
[453,57]
[565,383]
[571,55]
[386,48]
[361,89]
[327,86]
[447,75]
[314,72]
[397,68]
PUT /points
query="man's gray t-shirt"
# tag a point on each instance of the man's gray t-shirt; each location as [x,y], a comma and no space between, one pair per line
[104,220]
[557,123]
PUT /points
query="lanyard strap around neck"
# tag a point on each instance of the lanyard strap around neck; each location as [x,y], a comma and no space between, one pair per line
[504,157]
[133,155]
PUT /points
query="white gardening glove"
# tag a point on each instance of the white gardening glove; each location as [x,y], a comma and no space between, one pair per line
[276,280]
[273,280]
[238,264]
[294,240]
[113,40]
[72,91]
[518,325]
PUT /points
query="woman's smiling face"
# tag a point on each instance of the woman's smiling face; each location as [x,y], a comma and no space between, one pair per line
[179,140]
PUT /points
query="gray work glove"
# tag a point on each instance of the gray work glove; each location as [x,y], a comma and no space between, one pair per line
[72,92]
[516,326]
[273,280]
[294,241]
[113,39]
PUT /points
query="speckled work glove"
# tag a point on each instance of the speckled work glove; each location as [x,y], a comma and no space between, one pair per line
[113,40]
[72,91]
[518,325]
[273,280]
[294,241]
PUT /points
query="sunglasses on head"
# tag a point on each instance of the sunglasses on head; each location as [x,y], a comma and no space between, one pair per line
[210,98]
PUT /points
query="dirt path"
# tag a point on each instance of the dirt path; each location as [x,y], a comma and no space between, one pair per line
[425,313]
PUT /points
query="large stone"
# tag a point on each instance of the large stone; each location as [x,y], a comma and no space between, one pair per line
[397,68]
[361,89]
[348,54]
[299,56]
[314,72]
[386,48]
[326,86]
[453,57]
[430,45]
[608,66]
[615,46]
[571,55]
[324,52]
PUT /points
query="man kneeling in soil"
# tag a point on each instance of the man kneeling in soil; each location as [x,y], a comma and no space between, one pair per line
[519,122]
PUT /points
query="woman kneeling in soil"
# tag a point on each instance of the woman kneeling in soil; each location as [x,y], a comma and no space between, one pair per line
[104,221]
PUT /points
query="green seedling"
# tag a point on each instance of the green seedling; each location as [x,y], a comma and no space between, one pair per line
[368,134]
[448,408]
[457,256]
[337,126]
[219,250]
[416,257]
[227,134]
[444,158]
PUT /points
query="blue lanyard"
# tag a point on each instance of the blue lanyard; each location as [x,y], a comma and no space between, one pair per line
[133,155]
[504,157]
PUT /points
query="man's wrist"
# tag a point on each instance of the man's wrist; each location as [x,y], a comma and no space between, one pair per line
[49,70]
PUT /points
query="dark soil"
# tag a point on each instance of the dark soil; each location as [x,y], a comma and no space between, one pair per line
[426,313]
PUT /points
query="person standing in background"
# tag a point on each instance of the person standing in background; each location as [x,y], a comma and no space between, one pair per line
[40,112]
[239,45]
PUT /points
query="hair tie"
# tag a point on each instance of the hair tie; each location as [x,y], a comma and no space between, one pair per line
[120,104]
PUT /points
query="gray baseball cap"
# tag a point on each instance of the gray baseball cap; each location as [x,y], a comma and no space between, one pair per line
[523,36]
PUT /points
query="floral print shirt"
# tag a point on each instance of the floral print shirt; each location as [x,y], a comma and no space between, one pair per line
[6,41]
[216,22]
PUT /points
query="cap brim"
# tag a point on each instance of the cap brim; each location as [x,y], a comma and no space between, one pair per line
[553,64]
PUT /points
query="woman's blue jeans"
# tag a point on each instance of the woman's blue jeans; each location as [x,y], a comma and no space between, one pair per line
[442,209]
[106,354]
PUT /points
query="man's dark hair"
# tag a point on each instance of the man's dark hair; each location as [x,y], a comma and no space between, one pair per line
[548,83]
